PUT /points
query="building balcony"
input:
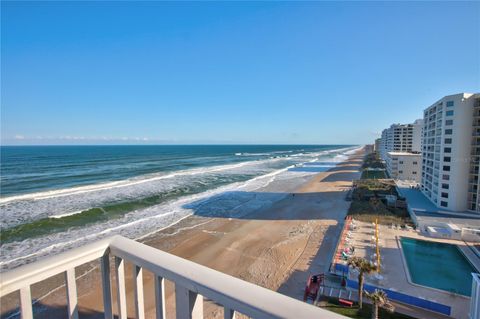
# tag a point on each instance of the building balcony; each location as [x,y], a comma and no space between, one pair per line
[473,190]
[192,282]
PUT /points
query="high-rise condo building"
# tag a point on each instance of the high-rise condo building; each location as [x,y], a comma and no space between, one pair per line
[401,138]
[450,152]
[473,179]
[404,166]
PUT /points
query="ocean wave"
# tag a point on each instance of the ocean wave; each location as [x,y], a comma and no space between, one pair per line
[22,209]
[225,200]
[265,153]
[231,200]
[116,184]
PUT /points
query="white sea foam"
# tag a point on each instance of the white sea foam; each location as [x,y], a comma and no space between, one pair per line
[56,204]
[230,201]
[125,183]
[66,214]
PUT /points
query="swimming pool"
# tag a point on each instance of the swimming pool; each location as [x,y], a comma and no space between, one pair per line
[438,265]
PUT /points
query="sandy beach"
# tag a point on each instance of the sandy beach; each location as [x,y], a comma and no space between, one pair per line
[275,247]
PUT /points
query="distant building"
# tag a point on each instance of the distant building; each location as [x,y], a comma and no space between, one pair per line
[473,179]
[404,166]
[376,146]
[401,138]
[451,151]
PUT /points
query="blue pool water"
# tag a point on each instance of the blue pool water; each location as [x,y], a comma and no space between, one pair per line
[438,265]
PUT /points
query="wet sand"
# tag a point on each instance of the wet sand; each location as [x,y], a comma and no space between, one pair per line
[277,247]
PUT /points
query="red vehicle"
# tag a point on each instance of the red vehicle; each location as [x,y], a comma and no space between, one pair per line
[313,285]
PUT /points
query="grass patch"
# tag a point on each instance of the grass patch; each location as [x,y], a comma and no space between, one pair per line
[332,304]
[369,203]
[373,160]
[373,174]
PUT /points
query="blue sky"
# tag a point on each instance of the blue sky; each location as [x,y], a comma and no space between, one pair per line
[224,72]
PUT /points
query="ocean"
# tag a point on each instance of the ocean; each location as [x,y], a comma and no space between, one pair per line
[53,198]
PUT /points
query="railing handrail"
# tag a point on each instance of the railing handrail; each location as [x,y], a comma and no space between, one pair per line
[222,288]
[231,292]
[47,267]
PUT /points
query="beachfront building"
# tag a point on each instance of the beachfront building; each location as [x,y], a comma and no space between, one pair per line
[450,151]
[401,138]
[474,179]
[377,144]
[404,166]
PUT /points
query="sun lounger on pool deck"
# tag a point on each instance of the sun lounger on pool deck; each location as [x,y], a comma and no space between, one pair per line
[345,302]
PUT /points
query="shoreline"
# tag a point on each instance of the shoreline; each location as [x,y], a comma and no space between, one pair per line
[154,216]
[301,236]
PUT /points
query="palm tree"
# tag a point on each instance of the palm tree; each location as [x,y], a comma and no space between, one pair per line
[379,299]
[364,267]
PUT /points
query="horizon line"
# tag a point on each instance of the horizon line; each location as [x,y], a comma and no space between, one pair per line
[199,144]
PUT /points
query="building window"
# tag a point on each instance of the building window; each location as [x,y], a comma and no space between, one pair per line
[443,204]
[445,186]
[415,163]
[449,122]
[448,131]
[446,177]
[449,113]
[447,150]
[447,159]
[400,162]
[445,195]
[449,103]
[400,172]
[414,173]
[446,168]
[448,141]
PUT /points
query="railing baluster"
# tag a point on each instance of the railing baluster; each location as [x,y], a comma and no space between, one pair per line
[138,288]
[160,297]
[26,303]
[107,290]
[121,294]
[71,293]
[189,304]
[228,313]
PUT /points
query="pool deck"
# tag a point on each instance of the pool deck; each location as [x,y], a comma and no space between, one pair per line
[394,274]
[428,213]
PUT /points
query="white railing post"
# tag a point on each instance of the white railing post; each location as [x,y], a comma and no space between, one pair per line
[71,284]
[193,282]
[188,304]
[138,289]
[26,303]
[160,297]
[107,291]
[228,313]
[121,293]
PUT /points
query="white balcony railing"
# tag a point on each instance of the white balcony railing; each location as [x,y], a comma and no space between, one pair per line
[192,283]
